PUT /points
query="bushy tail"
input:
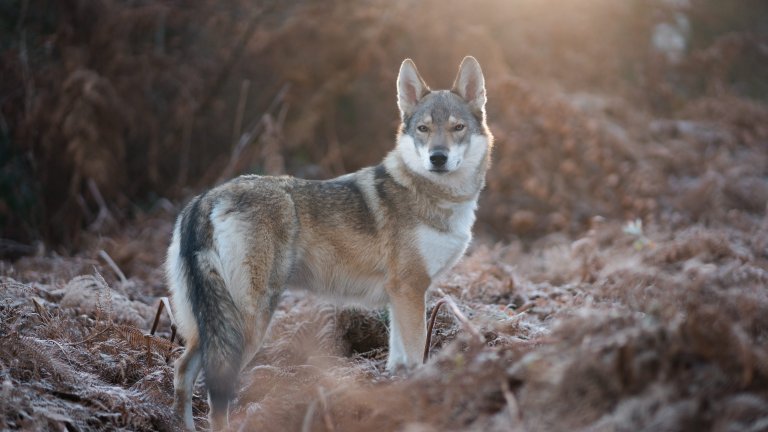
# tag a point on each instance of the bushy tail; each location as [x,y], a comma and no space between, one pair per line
[218,318]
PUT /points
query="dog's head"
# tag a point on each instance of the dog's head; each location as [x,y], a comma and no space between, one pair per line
[442,129]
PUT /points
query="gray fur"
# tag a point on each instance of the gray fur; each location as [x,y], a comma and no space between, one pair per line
[440,105]
[219,320]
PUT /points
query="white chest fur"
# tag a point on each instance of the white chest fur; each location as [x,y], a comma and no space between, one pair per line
[441,250]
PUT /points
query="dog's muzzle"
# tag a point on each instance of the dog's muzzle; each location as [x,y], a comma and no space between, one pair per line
[438,159]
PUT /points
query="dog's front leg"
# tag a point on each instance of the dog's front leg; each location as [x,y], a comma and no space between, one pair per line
[408,332]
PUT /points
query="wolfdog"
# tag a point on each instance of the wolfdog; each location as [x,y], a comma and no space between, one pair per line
[379,236]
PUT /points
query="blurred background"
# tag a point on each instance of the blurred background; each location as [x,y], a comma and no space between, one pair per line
[109,109]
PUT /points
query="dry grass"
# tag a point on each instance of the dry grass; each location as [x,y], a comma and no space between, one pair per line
[601,333]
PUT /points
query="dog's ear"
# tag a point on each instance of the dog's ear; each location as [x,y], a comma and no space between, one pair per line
[410,88]
[470,84]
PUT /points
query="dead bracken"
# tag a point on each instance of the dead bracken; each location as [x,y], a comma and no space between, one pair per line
[619,275]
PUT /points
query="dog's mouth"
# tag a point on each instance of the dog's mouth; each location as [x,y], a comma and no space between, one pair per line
[438,170]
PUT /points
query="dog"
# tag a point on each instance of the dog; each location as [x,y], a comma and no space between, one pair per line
[379,236]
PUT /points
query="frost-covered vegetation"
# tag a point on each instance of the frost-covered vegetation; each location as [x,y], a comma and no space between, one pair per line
[619,276]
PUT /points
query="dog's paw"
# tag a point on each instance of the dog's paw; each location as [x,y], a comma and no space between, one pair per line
[400,366]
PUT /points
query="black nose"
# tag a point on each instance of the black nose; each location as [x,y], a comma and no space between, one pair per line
[438,159]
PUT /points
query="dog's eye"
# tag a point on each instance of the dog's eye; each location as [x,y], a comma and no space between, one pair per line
[423,128]
[458,127]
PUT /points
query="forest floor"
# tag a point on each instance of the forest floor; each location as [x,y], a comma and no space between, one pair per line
[623,328]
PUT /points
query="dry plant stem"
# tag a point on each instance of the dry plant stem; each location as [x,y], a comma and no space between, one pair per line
[236,54]
[186,144]
[271,154]
[512,406]
[8,246]
[333,159]
[168,310]
[326,415]
[27,79]
[148,342]
[63,351]
[457,313]
[84,207]
[40,310]
[306,425]
[250,134]
[104,213]
[90,338]
[464,320]
[432,318]
[157,317]
[164,304]
[524,308]
[245,85]
[106,289]
[105,256]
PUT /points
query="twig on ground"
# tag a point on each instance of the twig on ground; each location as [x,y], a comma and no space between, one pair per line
[432,318]
[458,314]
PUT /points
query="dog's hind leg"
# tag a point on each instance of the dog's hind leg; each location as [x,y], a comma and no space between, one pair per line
[187,369]
[256,261]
